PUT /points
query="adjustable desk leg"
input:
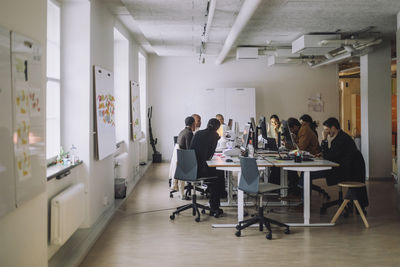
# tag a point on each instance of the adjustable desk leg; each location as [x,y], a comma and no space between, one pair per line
[306,188]
[240,200]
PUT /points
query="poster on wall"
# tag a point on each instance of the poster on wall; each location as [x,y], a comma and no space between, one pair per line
[104,112]
[29,118]
[135,110]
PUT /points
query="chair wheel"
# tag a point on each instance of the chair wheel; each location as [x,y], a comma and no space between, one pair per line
[238,233]
[287,231]
[171,195]
[238,227]
[268,236]
[197,219]
[172,217]
[203,211]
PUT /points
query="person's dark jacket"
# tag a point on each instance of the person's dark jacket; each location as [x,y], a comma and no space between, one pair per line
[343,151]
[185,138]
[204,144]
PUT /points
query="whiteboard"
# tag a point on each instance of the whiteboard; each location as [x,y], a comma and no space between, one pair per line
[135,110]
[28,118]
[238,104]
[7,184]
[104,112]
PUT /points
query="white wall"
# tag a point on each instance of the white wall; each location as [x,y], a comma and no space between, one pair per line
[282,90]
[23,232]
[87,40]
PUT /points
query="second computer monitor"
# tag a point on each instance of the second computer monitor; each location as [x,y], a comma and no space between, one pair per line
[245,137]
[263,127]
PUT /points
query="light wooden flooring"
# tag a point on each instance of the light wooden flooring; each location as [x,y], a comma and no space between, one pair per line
[141,234]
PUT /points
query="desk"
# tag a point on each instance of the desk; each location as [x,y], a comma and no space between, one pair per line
[306,167]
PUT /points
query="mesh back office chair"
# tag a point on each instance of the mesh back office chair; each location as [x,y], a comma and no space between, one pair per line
[188,186]
[186,170]
[250,183]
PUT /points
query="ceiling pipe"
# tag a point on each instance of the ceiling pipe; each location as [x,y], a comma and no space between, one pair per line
[245,14]
[346,41]
[332,60]
[210,18]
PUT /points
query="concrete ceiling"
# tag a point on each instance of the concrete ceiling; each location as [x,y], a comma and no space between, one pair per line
[175,27]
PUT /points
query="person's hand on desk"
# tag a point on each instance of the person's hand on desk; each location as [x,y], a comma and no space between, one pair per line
[325,134]
[319,155]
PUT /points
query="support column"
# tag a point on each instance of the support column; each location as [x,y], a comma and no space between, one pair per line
[376,144]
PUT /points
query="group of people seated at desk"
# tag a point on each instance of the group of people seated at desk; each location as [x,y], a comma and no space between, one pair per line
[304,137]
[340,148]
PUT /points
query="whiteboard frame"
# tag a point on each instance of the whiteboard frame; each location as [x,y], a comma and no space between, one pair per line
[104,102]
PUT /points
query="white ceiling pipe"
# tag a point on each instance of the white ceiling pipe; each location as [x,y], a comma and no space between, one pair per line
[245,14]
[210,17]
[345,41]
[332,60]
[363,46]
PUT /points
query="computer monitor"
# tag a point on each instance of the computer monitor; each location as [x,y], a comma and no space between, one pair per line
[253,123]
[263,127]
[230,124]
[254,133]
[245,137]
[271,144]
[236,129]
[286,133]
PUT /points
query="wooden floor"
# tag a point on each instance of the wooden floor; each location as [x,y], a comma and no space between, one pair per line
[141,234]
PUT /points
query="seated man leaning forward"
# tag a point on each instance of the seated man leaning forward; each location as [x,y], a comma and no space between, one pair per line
[344,152]
[186,135]
[204,143]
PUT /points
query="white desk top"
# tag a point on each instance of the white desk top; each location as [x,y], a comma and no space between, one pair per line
[220,161]
[291,163]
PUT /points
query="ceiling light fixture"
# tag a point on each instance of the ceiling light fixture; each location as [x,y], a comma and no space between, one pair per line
[210,10]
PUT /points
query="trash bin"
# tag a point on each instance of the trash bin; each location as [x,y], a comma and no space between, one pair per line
[120,188]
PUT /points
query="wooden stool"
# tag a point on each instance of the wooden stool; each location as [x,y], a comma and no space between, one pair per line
[351,196]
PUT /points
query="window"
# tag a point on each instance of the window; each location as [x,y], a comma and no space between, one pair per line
[121,87]
[143,101]
[53,80]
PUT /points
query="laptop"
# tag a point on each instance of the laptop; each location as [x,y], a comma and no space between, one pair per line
[271,144]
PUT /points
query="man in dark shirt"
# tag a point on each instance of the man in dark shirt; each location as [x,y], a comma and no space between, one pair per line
[343,151]
[186,135]
[204,143]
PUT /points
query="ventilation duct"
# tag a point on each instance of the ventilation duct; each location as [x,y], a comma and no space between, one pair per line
[310,45]
[247,53]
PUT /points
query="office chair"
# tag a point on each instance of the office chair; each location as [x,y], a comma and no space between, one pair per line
[188,186]
[250,183]
[186,170]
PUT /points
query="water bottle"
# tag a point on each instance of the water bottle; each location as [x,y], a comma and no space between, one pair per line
[251,150]
[73,156]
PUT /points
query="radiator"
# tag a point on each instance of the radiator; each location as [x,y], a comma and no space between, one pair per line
[67,213]
[122,166]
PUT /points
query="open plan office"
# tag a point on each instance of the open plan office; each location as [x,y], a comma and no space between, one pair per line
[199,132]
